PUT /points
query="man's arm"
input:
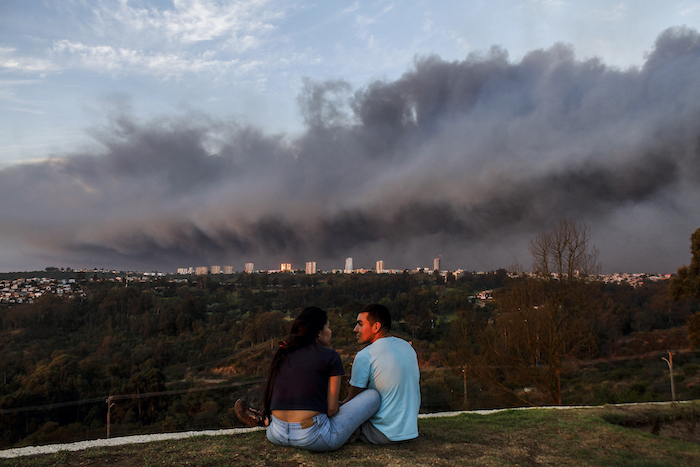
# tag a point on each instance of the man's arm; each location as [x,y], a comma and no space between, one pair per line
[353,392]
[359,375]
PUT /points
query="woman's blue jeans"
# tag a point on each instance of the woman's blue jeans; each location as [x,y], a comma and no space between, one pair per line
[327,433]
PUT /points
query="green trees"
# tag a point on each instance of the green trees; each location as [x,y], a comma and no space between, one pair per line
[686,284]
[160,335]
[265,325]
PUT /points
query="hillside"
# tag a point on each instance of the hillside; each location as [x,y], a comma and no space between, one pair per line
[599,436]
[174,356]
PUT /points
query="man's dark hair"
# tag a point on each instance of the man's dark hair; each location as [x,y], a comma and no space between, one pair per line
[378,313]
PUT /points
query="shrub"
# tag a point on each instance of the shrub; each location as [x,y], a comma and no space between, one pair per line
[690,369]
[637,392]
[604,394]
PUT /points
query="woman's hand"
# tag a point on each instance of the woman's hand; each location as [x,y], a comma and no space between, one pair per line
[333,395]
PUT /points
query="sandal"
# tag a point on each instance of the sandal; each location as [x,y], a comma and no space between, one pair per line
[247,414]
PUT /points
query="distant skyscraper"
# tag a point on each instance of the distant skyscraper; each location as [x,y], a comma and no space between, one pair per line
[348,265]
[249,267]
[228,269]
[216,269]
[380,266]
[201,270]
[436,263]
[311,267]
[286,267]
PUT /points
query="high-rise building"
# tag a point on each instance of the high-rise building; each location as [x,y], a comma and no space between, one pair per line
[285,267]
[228,269]
[436,263]
[201,270]
[216,269]
[380,266]
[249,267]
[311,267]
[348,265]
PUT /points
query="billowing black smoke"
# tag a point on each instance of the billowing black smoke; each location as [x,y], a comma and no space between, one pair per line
[466,159]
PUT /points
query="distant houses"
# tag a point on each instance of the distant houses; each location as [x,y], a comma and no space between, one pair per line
[27,290]
[23,290]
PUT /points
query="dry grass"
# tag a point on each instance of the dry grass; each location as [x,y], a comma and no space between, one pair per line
[605,436]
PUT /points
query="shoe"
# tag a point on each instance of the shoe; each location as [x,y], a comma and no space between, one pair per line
[355,435]
[247,414]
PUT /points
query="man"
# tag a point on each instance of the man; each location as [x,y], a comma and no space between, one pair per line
[390,366]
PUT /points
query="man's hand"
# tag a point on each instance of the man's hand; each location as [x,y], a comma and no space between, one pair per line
[352,393]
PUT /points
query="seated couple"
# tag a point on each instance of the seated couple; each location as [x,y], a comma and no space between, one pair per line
[303,386]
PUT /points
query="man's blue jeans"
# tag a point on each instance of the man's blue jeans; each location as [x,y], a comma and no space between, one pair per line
[327,433]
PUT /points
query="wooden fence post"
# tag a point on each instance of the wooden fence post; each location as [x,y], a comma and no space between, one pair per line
[669,361]
[109,413]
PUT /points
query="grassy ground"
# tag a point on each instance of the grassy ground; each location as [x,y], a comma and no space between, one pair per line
[605,436]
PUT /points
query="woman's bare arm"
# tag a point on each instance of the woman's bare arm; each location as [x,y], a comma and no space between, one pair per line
[333,395]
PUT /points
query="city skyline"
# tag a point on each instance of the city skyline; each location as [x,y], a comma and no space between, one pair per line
[310,267]
[152,135]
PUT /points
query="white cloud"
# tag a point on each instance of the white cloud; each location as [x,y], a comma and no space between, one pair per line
[10,62]
[193,21]
[164,65]
[214,38]
[686,9]
[613,12]
[354,7]
[364,20]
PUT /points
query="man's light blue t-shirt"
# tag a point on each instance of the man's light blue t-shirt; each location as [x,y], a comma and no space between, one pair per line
[390,366]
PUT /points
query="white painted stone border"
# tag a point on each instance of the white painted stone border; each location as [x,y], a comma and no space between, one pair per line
[136,439]
[544,407]
[119,441]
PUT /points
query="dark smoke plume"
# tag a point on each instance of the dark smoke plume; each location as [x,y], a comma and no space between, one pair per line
[465,159]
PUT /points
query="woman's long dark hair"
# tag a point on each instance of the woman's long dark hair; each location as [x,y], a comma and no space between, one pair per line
[304,332]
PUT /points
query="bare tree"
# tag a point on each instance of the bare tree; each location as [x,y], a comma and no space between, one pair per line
[564,253]
[544,319]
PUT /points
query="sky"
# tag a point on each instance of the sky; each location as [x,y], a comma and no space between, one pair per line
[154,135]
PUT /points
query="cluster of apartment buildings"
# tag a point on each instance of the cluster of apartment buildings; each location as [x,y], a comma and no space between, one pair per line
[311,268]
[634,279]
[27,290]
[204,270]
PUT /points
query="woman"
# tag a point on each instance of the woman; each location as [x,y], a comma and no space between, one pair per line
[303,389]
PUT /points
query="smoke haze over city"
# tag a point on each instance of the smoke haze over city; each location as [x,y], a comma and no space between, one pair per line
[468,159]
